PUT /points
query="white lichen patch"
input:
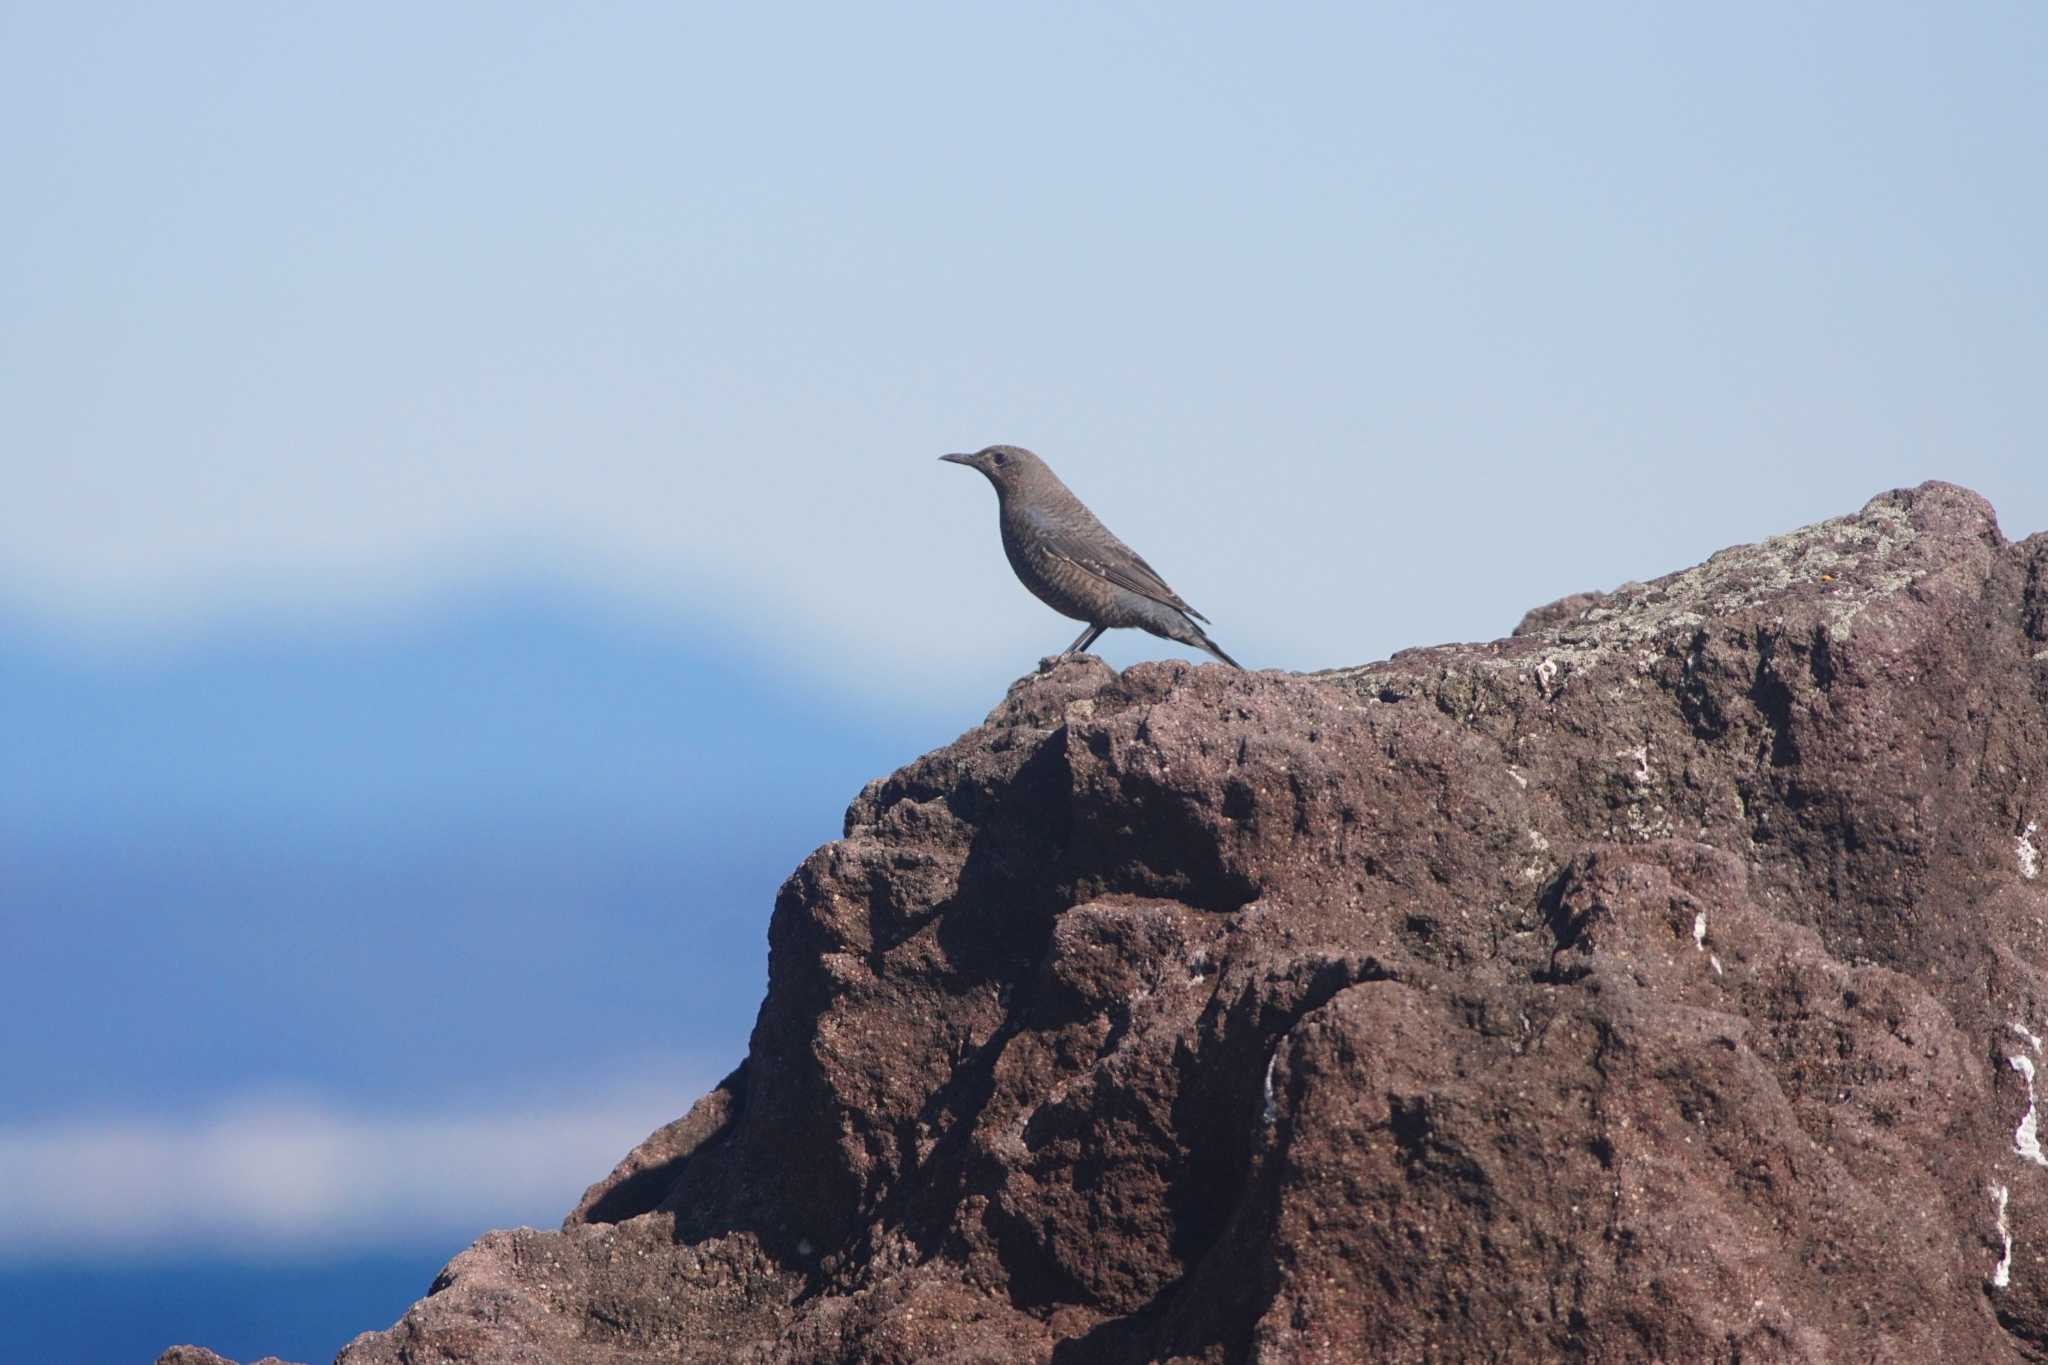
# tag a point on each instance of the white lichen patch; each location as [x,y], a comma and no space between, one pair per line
[2026,1139]
[1854,553]
[1272,1108]
[2028,851]
[1644,819]
[1714,962]
[1641,755]
[1852,562]
[1699,931]
[2033,1038]
[2001,1274]
[1647,822]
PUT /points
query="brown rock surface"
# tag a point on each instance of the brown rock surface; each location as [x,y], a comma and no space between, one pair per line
[1661,982]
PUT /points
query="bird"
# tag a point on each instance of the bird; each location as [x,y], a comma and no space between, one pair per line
[1072,563]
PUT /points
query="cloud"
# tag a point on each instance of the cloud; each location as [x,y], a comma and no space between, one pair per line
[296,1177]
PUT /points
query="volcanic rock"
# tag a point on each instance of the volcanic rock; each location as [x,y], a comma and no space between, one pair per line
[1663,981]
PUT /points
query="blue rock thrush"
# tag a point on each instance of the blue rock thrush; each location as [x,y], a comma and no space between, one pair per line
[1072,563]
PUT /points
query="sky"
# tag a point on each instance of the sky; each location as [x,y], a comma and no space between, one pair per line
[470,519]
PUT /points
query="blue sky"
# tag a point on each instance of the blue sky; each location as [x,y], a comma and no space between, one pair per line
[470,513]
[681,302]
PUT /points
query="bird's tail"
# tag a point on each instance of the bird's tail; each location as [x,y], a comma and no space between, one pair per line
[1175,625]
[1202,641]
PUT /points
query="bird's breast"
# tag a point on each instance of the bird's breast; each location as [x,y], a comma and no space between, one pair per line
[1057,582]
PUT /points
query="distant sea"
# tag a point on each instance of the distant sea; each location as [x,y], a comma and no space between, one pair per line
[125,1315]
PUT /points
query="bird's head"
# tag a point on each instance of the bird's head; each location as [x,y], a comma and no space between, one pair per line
[1007,467]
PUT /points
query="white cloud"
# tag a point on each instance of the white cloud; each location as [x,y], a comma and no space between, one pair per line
[281,1176]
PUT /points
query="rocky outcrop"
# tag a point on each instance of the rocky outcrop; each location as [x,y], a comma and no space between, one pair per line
[1663,981]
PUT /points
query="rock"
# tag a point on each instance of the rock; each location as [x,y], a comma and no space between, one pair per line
[199,1355]
[1661,982]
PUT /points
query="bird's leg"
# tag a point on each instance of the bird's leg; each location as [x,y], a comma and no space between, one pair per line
[1088,637]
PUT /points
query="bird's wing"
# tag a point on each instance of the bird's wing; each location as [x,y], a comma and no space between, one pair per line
[1109,559]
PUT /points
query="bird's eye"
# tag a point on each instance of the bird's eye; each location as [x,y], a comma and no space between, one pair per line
[1001,458]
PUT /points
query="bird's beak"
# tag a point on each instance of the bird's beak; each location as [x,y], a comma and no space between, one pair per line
[958,459]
